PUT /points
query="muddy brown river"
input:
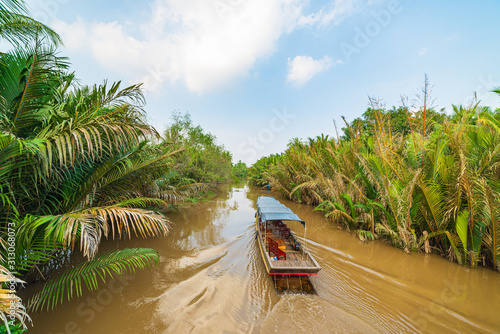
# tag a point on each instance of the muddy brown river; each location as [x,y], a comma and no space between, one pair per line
[211,279]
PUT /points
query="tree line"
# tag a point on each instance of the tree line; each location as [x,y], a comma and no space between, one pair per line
[424,179]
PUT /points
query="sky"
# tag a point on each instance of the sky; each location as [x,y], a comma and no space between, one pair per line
[257,73]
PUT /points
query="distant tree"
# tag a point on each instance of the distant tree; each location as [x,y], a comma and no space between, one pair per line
[240,170]
[203,160]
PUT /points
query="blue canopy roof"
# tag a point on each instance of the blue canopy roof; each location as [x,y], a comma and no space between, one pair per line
[271,209]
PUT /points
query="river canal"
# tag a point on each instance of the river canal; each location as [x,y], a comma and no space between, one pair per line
[211,279]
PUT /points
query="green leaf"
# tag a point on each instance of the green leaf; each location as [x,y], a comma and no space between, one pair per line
[348,199]
[461,224]
[455,249]
[90,273]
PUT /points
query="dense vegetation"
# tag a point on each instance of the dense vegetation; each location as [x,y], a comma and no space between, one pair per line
[422,178]
[79,164]
[258,169]
[202,160]
[240,171]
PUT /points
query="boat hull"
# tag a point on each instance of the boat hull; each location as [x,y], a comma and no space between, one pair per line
[296,262]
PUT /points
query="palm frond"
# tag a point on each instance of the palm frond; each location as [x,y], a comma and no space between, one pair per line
[462,223]
[433,212]
[65,231]
[100,269]
[454,240]
[122,221]
[10,301]
[365,235]
[20,29]
[491,216]
[30,77]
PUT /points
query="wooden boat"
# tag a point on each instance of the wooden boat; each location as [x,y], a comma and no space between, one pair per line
[281,251]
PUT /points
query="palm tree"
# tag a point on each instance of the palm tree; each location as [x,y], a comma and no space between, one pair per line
[74,162]
[73,165]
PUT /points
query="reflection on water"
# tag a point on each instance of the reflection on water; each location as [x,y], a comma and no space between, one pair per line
[211,279]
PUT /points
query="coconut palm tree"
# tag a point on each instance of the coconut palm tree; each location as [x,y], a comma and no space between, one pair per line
[72,164]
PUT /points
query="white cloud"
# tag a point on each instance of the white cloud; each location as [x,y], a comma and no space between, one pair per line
[303,68]
[422,51]
[204,44]
[334,15]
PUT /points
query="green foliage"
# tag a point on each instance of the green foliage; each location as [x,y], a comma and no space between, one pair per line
[16,329]
[78,163]
[239,171]
[203,160]
[90,273]
[74,161]
[258,169]
[461,227]
[18,28]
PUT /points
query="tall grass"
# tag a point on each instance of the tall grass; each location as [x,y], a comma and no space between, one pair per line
[432,186]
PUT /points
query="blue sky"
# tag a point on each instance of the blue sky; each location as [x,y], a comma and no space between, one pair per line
[257,73]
